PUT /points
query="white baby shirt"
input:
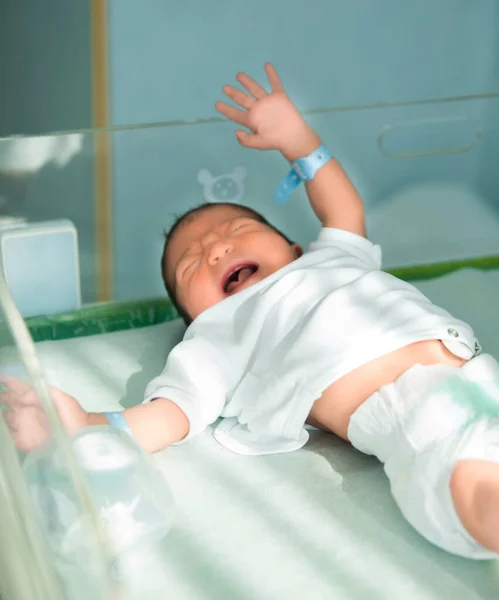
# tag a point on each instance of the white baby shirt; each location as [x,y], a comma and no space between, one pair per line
[261,357]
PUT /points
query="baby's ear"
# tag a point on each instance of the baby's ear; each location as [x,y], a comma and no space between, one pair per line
[205,177]
[239,172]
[298,250]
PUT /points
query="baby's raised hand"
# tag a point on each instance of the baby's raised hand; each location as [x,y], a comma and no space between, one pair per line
[273,120]
[25,417]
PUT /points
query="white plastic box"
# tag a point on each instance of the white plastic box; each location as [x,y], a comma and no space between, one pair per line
[40,265]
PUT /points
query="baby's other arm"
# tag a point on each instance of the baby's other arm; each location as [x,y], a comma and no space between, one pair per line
[154,426]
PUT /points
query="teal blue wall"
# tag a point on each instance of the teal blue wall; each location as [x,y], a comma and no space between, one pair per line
[170,60]
[488,171]
[44,66]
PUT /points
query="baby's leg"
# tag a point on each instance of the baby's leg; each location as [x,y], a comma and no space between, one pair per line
[475,493]
[437,432]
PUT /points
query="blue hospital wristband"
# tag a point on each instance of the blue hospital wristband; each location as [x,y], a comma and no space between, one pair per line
[303,169]
[118,421]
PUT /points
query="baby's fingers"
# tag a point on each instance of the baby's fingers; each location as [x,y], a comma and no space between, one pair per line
[28,427]
[8,399]
[238,97]
[251,140]
[10,418]
[234,114]
[18,392]
[15,385]
[252,86]
[273,77]
[14,400]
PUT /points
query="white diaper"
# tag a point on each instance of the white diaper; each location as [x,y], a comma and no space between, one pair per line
[419,427]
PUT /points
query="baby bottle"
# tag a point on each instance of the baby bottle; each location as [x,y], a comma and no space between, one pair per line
[130,495]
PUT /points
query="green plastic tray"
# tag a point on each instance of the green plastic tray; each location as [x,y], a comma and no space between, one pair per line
[118,316]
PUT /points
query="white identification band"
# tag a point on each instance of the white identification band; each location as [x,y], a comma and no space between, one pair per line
[118,421]
[303,169]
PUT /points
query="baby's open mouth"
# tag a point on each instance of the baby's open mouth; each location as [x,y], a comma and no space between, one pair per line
[237,276]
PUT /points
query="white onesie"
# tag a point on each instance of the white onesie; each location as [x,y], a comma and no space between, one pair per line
[261,358]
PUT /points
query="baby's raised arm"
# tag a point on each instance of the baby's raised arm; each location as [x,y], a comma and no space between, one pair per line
[275,123]
[331,193]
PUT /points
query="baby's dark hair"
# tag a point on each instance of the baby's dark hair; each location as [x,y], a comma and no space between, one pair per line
[178,222]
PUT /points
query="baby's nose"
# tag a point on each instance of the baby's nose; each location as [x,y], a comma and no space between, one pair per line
[218,251]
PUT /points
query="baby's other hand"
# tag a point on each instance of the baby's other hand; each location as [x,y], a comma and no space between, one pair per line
[274,121]
[25,417]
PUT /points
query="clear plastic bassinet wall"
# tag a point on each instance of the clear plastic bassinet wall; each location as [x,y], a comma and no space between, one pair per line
[82,515]
[33,560]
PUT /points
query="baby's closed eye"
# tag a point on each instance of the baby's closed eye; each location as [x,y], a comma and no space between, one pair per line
[240,228]
[186,265]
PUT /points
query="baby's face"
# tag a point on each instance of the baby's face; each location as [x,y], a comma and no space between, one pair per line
[218,252]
